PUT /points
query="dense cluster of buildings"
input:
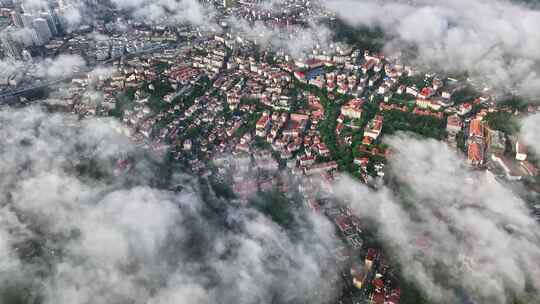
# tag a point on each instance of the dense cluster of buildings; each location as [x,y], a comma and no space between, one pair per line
[503,155]
[264,120]
[31,25]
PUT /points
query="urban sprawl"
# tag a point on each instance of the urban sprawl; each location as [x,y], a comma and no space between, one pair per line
[228,104]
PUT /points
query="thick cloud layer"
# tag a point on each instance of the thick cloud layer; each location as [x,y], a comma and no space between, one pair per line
[73,232]
[530,132]
[162,12]
[495,39]
[460,234]
[297,40]
[167,12]
[61,67]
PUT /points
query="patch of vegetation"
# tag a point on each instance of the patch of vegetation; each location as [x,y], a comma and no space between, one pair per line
[426,126]
[277,207]
[503,121]
[124,101]
[410,293]
[466,95]
[515,104]
[362,37]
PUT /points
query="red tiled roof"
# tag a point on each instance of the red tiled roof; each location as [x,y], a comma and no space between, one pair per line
[475,128]
[378,298]
[474,152]
[371,254]
[378,283]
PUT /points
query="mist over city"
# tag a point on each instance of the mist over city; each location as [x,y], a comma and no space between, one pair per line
[269,151]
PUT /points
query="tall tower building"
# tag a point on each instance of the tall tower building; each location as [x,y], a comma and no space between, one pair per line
[42,29]
[16,19]
[18,6]
[5,3]
[36,40]
[50,21]
[27,20]
[10,46]
[56,19]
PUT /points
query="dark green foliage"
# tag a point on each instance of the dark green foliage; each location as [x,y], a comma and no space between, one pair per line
[411,293]
[16,295]
[419,81]
[362,37]
[427,126]
[162,66]
[460,141]
[503,121]
[468,94]
[514,103]
[91,168]
[124,101]
[277,207]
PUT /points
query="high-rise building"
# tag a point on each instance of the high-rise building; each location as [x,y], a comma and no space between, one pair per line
[50,21]
[16,19]
[56,19]
[42,29]
[36,40]
[18,6]
[27,20]
[9,45]
[6,3]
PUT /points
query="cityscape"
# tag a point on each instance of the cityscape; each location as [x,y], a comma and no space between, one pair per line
[284,151]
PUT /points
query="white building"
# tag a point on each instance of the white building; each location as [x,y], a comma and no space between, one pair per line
[41,26]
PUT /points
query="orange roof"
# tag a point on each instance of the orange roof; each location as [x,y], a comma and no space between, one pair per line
[474,152]
[476,128]
[262,121]
[378,283]
[426,92]
[466,105]
[299,74]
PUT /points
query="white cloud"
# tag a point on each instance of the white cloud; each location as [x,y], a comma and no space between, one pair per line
[297,40]
[167,12]
[62,66]
[457,233]
[492,39]
[530,132]
[118,239]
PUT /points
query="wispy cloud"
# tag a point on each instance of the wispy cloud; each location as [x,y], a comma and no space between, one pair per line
[495,40]
[297,40]
[71,232]
[459,234]
[167,12]
[530,132]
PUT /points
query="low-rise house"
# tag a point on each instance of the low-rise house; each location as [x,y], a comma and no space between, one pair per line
[454,124]
[374,127]
[353,108]
[475,154]
[521,152]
